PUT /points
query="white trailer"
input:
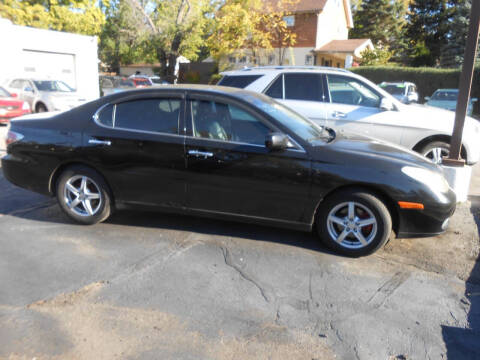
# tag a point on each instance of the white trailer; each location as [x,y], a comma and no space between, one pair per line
[45,54]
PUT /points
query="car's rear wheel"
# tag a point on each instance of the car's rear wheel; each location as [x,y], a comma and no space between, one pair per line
[354,222]
[436,151]
[83,195]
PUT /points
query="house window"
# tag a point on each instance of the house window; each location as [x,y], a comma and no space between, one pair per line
[271,59]
[232,59]
[338,64]
[289,20]
[242,60]
[308,59]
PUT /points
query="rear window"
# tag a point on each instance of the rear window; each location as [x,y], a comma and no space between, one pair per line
[238,81]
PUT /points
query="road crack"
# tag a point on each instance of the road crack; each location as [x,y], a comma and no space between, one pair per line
[230,262]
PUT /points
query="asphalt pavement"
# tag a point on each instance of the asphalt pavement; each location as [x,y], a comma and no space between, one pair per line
[156,286]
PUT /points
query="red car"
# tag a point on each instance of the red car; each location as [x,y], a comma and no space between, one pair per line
[11,107]
[141,82]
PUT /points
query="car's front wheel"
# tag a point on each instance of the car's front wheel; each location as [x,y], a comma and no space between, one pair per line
[83,195]
[354,222]
[436,151]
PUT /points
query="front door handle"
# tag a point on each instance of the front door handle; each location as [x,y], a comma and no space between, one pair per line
[197,153]
[339,114]
[100,142]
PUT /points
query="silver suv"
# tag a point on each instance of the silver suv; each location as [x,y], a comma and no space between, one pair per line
[340,99]
[45,95]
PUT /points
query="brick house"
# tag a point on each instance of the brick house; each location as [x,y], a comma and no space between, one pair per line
[322,37]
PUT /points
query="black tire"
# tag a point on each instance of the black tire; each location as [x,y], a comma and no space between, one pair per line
[39,108]
[427,150]
[100,209]
[366,204]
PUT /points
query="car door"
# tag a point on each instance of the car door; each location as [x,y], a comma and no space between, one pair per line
[138,146]
[302,92]
[231,171]
[355,107]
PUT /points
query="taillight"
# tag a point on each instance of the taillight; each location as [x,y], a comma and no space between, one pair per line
[12,137]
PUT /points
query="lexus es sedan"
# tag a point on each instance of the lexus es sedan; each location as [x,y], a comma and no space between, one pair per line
[230,154]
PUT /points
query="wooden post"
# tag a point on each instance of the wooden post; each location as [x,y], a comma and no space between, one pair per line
[465,87]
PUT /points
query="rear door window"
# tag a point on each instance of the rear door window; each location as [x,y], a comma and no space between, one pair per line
[152,115]
[307,87]
[238,81]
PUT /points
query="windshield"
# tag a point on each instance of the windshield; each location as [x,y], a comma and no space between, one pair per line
[302,127]
[445,95]
[394,89]
[52,85]
[4,93]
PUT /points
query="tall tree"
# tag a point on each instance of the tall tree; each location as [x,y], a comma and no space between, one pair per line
[453,51]
[428,28]
[172,28]
[77,16]
[252,26]
[120,40]
[382,21]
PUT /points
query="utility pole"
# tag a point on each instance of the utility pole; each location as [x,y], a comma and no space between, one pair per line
[465,87]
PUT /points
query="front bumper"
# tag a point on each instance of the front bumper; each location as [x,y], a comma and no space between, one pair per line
[431,221]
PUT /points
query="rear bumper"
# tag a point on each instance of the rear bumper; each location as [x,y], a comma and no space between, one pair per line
[431,221]
[24,175]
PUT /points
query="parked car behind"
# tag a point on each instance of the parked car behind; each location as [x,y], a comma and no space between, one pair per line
[141,81]
[405,92]
[232,154]
[340,99]
[11,106]
[45,95]
[113,84]
[447,99]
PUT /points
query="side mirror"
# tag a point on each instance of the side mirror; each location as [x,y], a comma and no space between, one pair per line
[386,104]
[13,95]
[427,98]
[276,141]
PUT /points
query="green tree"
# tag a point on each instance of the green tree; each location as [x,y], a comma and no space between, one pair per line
[428,28]
[454,49]
[76,16]
[120,40]
[171,28]
[382,21]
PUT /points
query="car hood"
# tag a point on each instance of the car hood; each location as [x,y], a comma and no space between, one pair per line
[372,149]
[429,117]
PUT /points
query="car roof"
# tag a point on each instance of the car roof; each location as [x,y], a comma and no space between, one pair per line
[240,94]
[397,83]
[263,69]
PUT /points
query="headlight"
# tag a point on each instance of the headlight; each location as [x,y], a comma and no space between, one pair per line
[25,106]
[432,179]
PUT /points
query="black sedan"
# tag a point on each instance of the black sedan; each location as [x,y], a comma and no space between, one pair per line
[231,154]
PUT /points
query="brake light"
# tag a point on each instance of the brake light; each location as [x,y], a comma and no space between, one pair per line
[12,137]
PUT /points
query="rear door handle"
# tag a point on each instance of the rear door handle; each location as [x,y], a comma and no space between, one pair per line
[339,114]
[100,142]
[197,153]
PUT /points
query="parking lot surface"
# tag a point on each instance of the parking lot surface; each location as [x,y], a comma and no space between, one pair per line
[151,285]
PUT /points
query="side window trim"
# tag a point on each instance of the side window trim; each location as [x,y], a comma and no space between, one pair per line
[181,115]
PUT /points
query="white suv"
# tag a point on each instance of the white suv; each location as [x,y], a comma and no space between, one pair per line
[340,99]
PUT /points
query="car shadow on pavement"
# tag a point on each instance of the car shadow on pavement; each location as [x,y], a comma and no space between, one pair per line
[218,227]
[464,343]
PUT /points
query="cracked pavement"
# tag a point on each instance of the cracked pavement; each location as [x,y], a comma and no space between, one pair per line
[150,285]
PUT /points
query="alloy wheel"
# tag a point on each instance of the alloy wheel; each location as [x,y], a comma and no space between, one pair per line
[436,154]
[82,195]
[352,225]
